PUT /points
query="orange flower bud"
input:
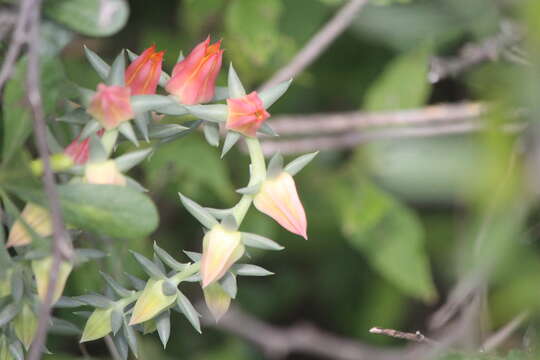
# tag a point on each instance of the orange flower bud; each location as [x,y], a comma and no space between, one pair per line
[105,172]
[246,114]
[111,105]
[37,218]
[221,249]
[142,75]
[278,199]
[194,78]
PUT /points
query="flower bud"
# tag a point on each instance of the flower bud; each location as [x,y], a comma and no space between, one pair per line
[105,172]
[42,270]
[194,78]
[142,75]
[221,249]
[151,302]
[111,105]
[25,325]
[246,114]
[278,199]
[79,151]
[98,325]
[37,218]
[217,300]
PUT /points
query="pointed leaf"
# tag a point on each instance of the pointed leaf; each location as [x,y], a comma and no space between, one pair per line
[250,270]
[211,133]
[101,67]
[118,289]
[95,300]
[213,112]
[249,190]
[168,259]
[236,89]
[131,338]
[198,212]
[89,129]
[116,75]
[160,131]
[97,152]
[267,130]
[78,116]
[271,95]
[148,266]
[137,283]
[117,319]
[163,325]
[127,130]
[260,242]
[141,121]
[228,283]
[275,166]
[186,308]
[128,161]
[194,256]
[295,166]
[231,138]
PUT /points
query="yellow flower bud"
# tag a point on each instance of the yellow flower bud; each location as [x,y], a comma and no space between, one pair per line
[217,300]
[25,325]
[221,249]
[151,302]
[98,325]
[37,218]
[105,172]
[42,269]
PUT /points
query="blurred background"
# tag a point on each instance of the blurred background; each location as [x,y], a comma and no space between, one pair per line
[422,205]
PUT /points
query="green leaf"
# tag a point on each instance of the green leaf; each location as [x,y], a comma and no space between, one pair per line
[387,232]
[115,211]
[17,116]
[89,17]
[253,28]
[403,84]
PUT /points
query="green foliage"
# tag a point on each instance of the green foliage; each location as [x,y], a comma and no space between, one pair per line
[89,17]
[388,233]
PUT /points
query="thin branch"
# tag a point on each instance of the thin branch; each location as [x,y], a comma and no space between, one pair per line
[499,337]
[61,247]
[491,49]
[279,342]
[329,123]
[112,348]
[318,43]
[350,140]
[415,337]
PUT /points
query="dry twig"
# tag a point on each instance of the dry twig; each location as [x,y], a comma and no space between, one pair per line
[61,248]
[415,337]
[318,43]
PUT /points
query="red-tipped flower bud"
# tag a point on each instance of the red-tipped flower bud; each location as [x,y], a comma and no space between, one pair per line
[111,105]
[142,75]
[246,114]
[194,78]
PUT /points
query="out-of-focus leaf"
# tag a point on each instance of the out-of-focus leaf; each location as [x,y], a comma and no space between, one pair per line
[187,175]
[387,232]
[89,17]
[115,211]
[403,84]
[252,28]
[17,118]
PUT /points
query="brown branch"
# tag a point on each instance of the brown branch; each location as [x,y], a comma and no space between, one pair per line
[474,54]
[350,140]
[415,337]
[279,342]
[499,337]
[61,246]
[329,123]
[318,43]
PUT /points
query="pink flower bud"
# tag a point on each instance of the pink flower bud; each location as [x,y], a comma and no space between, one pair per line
[194,78]
[221,249]
[142,75]
[111,105]
[246,114]
[78,151]
[278,199]
[105,172]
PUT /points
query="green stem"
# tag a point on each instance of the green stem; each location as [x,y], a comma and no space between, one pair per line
[186,273]
[258,174]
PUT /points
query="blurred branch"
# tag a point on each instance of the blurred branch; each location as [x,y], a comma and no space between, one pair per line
[416,337]
[320,124]
[499,337]
[491,49]
[318,43]
[354,139]
[279,342]
[61,246]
